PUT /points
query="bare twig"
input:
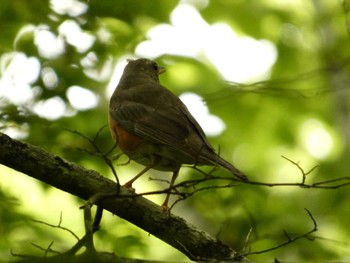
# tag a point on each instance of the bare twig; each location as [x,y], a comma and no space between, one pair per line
[46,250]
[196,185]
[98,151]
[289,238]
[57,226]
[304,174]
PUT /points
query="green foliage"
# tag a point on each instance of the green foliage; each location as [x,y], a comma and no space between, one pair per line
[305,92]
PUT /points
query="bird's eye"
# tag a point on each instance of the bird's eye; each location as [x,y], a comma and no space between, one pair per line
[155,67]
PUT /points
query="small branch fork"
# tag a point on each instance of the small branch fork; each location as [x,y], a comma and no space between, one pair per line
[59,226]
[91,226]
[304,174]
[289,240]
[97,150]
[232,182]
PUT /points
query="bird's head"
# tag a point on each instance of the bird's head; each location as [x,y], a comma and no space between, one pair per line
[145,67]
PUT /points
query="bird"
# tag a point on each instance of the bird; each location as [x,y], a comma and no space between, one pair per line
[153,127]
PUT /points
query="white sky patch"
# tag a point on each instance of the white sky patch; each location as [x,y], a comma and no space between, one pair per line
[100,73]
[18,73]
[317,140]
[75,36]
[211,124]
[238,59]
[50,109]
[72,8]
[118,71]
[81,98]
[16,132]
[49,45]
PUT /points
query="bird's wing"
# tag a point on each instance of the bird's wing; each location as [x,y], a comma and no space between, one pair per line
[153,114]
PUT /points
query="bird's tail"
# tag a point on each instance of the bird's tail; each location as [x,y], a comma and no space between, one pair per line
[228,166]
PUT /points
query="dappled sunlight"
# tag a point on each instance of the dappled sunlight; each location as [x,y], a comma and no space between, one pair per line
[211,124]
[72,8]
[81,99]
[15,131]
[74,35]
[317,139]
[50,109]
[237,58]
[117,73]
[49,45]
[18,73]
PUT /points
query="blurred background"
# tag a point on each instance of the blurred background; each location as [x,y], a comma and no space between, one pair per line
[265,79]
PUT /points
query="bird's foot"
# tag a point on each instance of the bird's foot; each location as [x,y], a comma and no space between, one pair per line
[129,187]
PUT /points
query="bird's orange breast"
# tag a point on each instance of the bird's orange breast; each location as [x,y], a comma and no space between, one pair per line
[124,139]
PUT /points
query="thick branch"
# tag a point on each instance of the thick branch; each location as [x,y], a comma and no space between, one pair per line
[76,180]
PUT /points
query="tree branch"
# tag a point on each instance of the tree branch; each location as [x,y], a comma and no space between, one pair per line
[84,183]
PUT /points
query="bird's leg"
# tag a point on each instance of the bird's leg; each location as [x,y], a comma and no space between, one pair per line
[153,163]
[129,183]
[173,178]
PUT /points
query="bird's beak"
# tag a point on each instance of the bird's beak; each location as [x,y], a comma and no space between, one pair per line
[161,70]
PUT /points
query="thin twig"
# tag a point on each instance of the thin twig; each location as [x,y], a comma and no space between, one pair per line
[57,226]
[289,239]
[46,250]
[104,156]
[304,174]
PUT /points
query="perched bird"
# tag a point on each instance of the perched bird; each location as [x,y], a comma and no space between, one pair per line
[153,127]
